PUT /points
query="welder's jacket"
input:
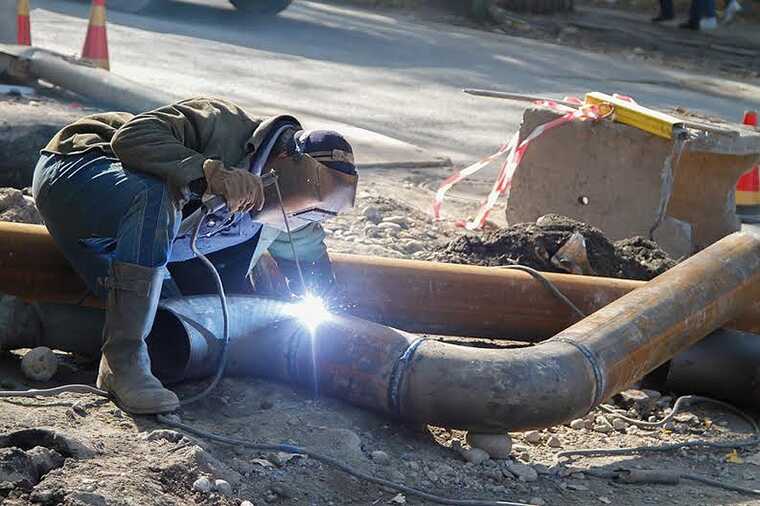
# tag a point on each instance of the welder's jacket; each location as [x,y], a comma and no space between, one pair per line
[172,143]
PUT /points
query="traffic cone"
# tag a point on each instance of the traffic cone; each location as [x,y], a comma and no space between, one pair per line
[748,186]
[95,48]
[23,28]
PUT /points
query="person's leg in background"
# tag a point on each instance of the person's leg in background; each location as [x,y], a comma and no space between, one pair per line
[116,228]
[666,11]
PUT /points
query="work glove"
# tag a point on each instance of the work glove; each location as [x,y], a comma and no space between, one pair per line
[242,190]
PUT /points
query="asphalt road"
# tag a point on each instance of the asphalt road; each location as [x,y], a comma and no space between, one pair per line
[384,71]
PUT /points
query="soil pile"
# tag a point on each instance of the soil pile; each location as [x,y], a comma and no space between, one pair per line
[17,206]
[534,245]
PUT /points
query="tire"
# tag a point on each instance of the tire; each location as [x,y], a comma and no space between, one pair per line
[128,5]
[261,6]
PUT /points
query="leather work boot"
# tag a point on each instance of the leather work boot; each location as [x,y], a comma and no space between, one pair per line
[133,293]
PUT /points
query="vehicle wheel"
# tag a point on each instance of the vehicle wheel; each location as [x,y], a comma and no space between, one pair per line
[261,6]
[128,5]
[537,6]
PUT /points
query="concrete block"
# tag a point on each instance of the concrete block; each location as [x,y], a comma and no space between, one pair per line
[613,176]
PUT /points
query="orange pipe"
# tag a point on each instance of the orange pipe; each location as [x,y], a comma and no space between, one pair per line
[416,296]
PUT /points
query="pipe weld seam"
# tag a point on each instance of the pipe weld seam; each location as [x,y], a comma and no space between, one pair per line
[599,383]
[398,375]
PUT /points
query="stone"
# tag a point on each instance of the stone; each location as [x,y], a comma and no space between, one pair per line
[497,446]
[414,466]
[412,246]
[223,488]
[523,472]
[578,424]
[403,221]
[688,418]
[475,456]
[380,457]
[603,428]
[537,501]
[202,485]
[388,227]
[44,459]
[372,214]
[39,364]
[372,231]
[644,401]
[619,424]
[554,442]
[246,503]
[533,436]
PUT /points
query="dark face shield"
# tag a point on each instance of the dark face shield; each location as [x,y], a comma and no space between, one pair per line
[311,192]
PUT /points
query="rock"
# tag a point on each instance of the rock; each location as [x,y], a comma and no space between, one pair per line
[246,503]
[619,424]
[476,456]
[554,442]
[173,417]
[412,246]
[223,488]
[414,466]
[372,214]
[643,400]
[605,500]
[533,436]
[389,227]
[578,424]
[372,231]
[543,469]
[523,472]
[171,436]
[202,485]
[603,428]
[537,501]
[39,364]
[44,459]
[688,418]
[497,446]
[402,221]
[380,457]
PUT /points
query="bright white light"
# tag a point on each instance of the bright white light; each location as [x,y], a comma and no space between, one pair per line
[310,311]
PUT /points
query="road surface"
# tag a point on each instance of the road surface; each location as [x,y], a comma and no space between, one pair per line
[384,71]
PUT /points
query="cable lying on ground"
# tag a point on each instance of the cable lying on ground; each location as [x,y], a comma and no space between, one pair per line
[656,476]
[333,463]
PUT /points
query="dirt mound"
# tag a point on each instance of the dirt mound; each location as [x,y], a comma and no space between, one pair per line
[534,245]
[17,206]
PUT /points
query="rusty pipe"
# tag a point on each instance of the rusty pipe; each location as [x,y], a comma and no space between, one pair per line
[422,297]
[486,390]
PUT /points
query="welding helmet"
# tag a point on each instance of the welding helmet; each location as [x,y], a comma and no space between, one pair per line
[315,173]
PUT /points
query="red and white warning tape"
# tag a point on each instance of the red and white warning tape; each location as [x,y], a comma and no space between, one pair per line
[515,153]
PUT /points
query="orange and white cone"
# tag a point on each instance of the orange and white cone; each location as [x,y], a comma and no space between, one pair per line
[95,48]
[23,27]
[748,186]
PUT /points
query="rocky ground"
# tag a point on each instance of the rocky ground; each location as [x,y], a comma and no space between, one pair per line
[78,449]
[86,451]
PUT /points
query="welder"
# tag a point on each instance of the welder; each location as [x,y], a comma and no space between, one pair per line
[123,196]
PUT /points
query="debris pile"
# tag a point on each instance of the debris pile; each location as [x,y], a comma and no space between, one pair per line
[538,244]
[17,206]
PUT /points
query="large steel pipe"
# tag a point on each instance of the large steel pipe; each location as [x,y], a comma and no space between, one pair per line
[724,365]
[484,389]
[423,297]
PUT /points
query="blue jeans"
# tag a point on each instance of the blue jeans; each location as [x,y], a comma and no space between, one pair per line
[95,225]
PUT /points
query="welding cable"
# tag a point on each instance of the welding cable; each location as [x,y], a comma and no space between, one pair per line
[700,443]
[225,318]
[333,462]
[539,276]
